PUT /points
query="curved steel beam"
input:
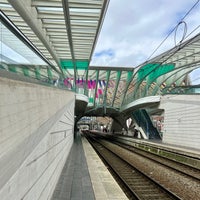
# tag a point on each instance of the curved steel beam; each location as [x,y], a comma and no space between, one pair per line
[29,15]
[23,38]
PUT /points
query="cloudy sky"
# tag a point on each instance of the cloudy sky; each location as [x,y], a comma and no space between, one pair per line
[133,29]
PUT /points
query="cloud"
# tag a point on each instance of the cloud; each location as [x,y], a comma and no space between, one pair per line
[108,52]
[132,30]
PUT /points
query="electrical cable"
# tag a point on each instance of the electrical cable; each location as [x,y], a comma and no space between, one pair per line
[192,31]
[184,32]
[173,29]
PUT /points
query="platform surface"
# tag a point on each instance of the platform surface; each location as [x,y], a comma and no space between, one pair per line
[104,185]
[85,177]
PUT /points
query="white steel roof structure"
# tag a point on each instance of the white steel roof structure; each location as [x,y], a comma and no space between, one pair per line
[60,29]
[64,34]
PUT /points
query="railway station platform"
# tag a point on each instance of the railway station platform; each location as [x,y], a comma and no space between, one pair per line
[85,177]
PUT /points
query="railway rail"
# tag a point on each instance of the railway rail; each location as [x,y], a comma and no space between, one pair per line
[143,174]
[184,169]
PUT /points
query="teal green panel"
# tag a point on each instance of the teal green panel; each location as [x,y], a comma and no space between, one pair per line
[12,69]
[67,64]
[26,71]
[145,70]
[91,100]
[82,64]
[37,73]
[129,75]
[118,75]
[161,70]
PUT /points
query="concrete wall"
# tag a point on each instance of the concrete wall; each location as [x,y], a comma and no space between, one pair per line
[36,135]
[181,120]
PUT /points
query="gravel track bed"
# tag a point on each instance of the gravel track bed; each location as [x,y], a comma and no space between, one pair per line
[183,186]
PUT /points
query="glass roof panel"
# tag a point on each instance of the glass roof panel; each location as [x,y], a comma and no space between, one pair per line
[92,74]
[111,87]
[15,51]
[85,10]
[49,9]
[101,86]
[119,93]
[5,5]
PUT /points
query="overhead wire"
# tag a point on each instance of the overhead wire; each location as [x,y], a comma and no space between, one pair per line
[175,28]
[192,31]
[184,32]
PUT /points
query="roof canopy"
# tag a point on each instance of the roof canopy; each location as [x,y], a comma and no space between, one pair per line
[60,29]
[63,34]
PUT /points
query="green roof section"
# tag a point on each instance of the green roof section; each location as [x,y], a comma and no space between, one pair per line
[82,64]
[145,70]
[129,75]
[78,64]
[152,71]
[37,73]
[161,70]
[26,71]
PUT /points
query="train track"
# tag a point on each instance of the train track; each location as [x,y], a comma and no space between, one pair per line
[184,169]
[138,184]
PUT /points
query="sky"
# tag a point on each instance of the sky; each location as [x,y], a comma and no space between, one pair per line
[133,29]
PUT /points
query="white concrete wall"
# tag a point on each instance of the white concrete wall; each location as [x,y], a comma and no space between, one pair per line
[36,135]
[181,120]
